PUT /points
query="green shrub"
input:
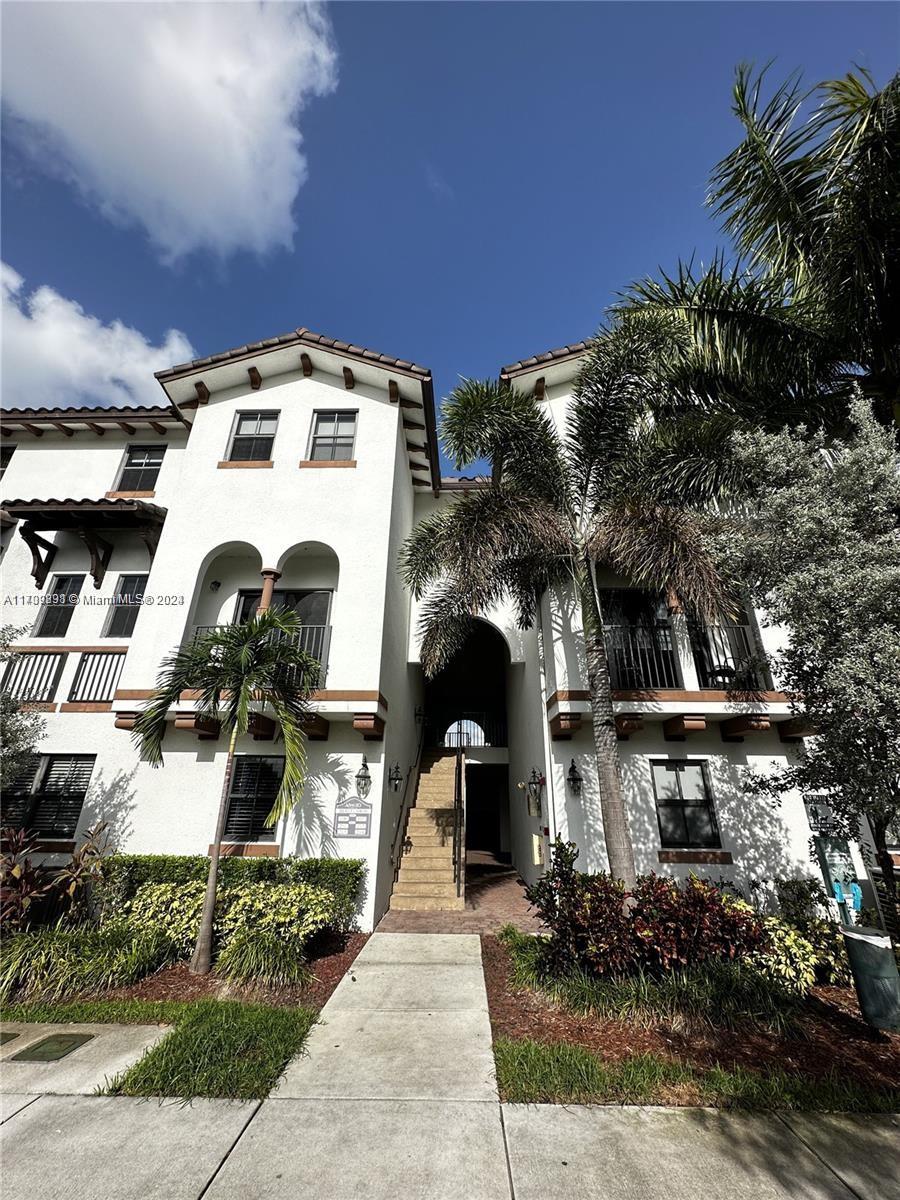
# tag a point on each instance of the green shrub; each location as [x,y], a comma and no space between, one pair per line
[49,963]
[832,966]
[293,911]
[124,874]
[174,908]
[261,956]
[788,957]
[719,993]
[666,926]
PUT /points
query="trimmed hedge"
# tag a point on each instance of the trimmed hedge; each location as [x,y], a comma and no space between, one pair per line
[123,874]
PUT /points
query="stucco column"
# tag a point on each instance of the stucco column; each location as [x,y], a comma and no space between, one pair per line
[681,636]
[269,577]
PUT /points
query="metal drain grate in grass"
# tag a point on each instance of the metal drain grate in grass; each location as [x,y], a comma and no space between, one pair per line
[53,1048]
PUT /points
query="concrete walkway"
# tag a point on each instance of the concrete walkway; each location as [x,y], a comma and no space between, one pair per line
[396,1099]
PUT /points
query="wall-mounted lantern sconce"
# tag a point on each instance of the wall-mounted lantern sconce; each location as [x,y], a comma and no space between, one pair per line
[395,778]
[215,584]
[363,780]
[574,778]
[534,787]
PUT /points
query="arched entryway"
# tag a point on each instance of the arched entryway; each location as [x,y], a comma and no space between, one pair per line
[465,706]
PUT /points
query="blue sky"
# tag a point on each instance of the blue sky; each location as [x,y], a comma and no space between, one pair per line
[480,179]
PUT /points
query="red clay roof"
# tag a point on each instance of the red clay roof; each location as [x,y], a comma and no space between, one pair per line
[549,356]
[301,336]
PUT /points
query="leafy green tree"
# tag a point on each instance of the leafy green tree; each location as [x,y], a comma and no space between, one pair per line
[21,729]
[809,302]
[232,668]
[623,489]
[820,550]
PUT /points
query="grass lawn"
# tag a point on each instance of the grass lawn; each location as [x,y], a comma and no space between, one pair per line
[531,1072]
[217,1048]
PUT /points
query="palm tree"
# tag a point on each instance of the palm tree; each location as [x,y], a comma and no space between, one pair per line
[232,668]
[622,489]
[811,303]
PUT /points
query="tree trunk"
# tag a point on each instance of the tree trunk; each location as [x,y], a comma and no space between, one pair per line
[616,832]
[201,962]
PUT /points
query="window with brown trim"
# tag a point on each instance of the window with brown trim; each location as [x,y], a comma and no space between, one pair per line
[684,806]
[253,437]
[333,436]
[140,469]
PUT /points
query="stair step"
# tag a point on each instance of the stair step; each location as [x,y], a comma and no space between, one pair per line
[407,888]
[427,903]
[424,856]
[432,802]
[413,871]
[430,840]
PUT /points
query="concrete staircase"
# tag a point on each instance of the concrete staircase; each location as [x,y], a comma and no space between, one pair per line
[425,881]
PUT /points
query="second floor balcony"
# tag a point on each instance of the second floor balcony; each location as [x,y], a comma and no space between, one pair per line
[314,640]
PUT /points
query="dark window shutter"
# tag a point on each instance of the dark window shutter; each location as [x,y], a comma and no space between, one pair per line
[54,808]
[255,782]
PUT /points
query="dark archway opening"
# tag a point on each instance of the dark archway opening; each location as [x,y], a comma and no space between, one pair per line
[465,703]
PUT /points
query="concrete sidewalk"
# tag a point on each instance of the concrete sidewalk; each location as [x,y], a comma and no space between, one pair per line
[396,1099]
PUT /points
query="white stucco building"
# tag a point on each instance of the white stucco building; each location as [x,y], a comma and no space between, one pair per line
[302,463]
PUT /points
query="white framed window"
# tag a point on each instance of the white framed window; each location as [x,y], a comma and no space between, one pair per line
[253,437]
[333,436]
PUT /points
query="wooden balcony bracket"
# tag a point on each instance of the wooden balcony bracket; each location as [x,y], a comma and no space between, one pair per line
[40,564]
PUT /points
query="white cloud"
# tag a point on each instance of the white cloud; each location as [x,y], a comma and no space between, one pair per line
[56,355]
[179,117]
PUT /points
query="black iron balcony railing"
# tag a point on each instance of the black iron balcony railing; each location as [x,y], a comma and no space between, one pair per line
[33,676]
[641,656]
[729,657]
[451,728]
[96,676]
[314,640]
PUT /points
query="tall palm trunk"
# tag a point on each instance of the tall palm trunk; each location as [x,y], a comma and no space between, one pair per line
[616,832]
[201,962]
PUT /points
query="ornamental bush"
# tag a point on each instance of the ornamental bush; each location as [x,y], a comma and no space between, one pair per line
[172,907]
[125,874]
[665,926]
[292,912]
[788,958]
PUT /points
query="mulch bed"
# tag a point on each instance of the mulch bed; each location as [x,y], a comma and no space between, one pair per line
[832,1034]
[329,958]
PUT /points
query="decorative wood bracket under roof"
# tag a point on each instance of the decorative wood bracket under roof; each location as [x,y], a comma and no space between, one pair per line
[89,519]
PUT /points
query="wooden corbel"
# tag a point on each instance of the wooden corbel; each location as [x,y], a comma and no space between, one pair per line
[255,378]
[206,728]
[735,728]
[564,725]
[149,535]
[100,551]
[627,724]
[315,727]
[370,725]
[40,566]
[260,727]
[676,729]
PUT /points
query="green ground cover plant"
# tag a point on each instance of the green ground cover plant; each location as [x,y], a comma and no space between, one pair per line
[715,994]
[531,1072]
[220,1049]
[53,962]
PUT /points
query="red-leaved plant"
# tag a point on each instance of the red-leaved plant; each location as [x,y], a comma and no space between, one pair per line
[659,926]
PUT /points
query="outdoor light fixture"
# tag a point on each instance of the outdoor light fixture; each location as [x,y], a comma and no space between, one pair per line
[215,584]
[363,779]
[395,778]
[574,778]
[534,787]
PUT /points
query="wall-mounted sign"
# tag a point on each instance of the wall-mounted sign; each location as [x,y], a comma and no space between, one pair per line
[820,817]
[352,818]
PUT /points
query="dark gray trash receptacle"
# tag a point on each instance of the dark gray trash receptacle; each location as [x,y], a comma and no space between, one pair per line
[875,975]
